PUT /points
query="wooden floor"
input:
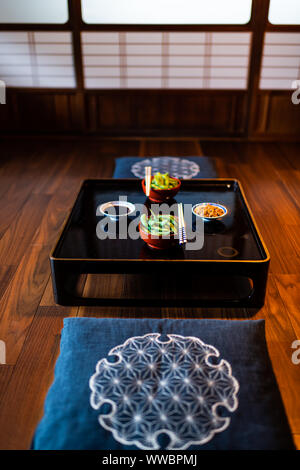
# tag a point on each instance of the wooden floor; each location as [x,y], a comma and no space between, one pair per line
[38,183]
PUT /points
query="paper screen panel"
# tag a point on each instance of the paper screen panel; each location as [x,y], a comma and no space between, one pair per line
[208,60]
[284,12]
[36,59]
[281,61]
[166,11]
[34,11]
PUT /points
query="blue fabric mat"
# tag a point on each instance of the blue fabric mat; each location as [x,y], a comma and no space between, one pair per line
[70,422]
[186,168]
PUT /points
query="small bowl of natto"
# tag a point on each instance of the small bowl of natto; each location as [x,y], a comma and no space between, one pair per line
[208,211]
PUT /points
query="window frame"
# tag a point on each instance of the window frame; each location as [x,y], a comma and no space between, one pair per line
[258,26]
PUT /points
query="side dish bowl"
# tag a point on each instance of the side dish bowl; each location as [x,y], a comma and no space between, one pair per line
[160,195]
[209,211]
[159,240]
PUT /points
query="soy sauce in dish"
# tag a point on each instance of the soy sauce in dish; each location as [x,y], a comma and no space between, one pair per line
[117,210]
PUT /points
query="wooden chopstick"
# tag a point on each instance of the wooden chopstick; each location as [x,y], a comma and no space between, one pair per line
[148,179]
[181,223]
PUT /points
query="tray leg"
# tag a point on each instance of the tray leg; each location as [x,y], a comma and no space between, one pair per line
[259,279]
[64,283]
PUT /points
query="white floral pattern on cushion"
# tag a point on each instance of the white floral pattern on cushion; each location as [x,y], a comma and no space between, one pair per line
[164,387]
[178,167]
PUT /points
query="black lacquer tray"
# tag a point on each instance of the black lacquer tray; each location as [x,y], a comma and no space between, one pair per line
[229,270]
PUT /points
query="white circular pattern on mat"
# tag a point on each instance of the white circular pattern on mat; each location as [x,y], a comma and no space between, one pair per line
[178,167]
[164,387]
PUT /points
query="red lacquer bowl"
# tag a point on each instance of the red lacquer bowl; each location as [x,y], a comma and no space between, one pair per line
[157,242]
[161,195]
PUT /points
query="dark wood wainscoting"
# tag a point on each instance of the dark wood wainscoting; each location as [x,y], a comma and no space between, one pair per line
[42,112]
[170,112]
[276,116]
[200,113]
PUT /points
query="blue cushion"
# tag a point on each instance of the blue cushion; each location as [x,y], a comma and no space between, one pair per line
[241,377]
[186,168]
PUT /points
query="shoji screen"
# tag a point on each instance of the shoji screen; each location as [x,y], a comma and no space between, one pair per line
[34,11]
[36,59]
[281,61]
[166,11]
[284,12]
[204,60]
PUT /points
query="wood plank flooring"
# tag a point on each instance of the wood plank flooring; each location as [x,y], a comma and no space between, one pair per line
[39,180]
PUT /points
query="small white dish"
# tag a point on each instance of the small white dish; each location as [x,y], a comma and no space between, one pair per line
[113,209]
[208,219]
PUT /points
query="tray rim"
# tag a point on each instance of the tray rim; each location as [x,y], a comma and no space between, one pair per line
[131,260]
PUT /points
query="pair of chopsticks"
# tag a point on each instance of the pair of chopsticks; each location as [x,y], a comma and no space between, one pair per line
[148,179]
[181,225]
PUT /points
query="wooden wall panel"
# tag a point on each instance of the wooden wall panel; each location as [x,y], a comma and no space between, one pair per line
[41,112]
[202,113]
[155,111]
[284,116]
[276,115]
